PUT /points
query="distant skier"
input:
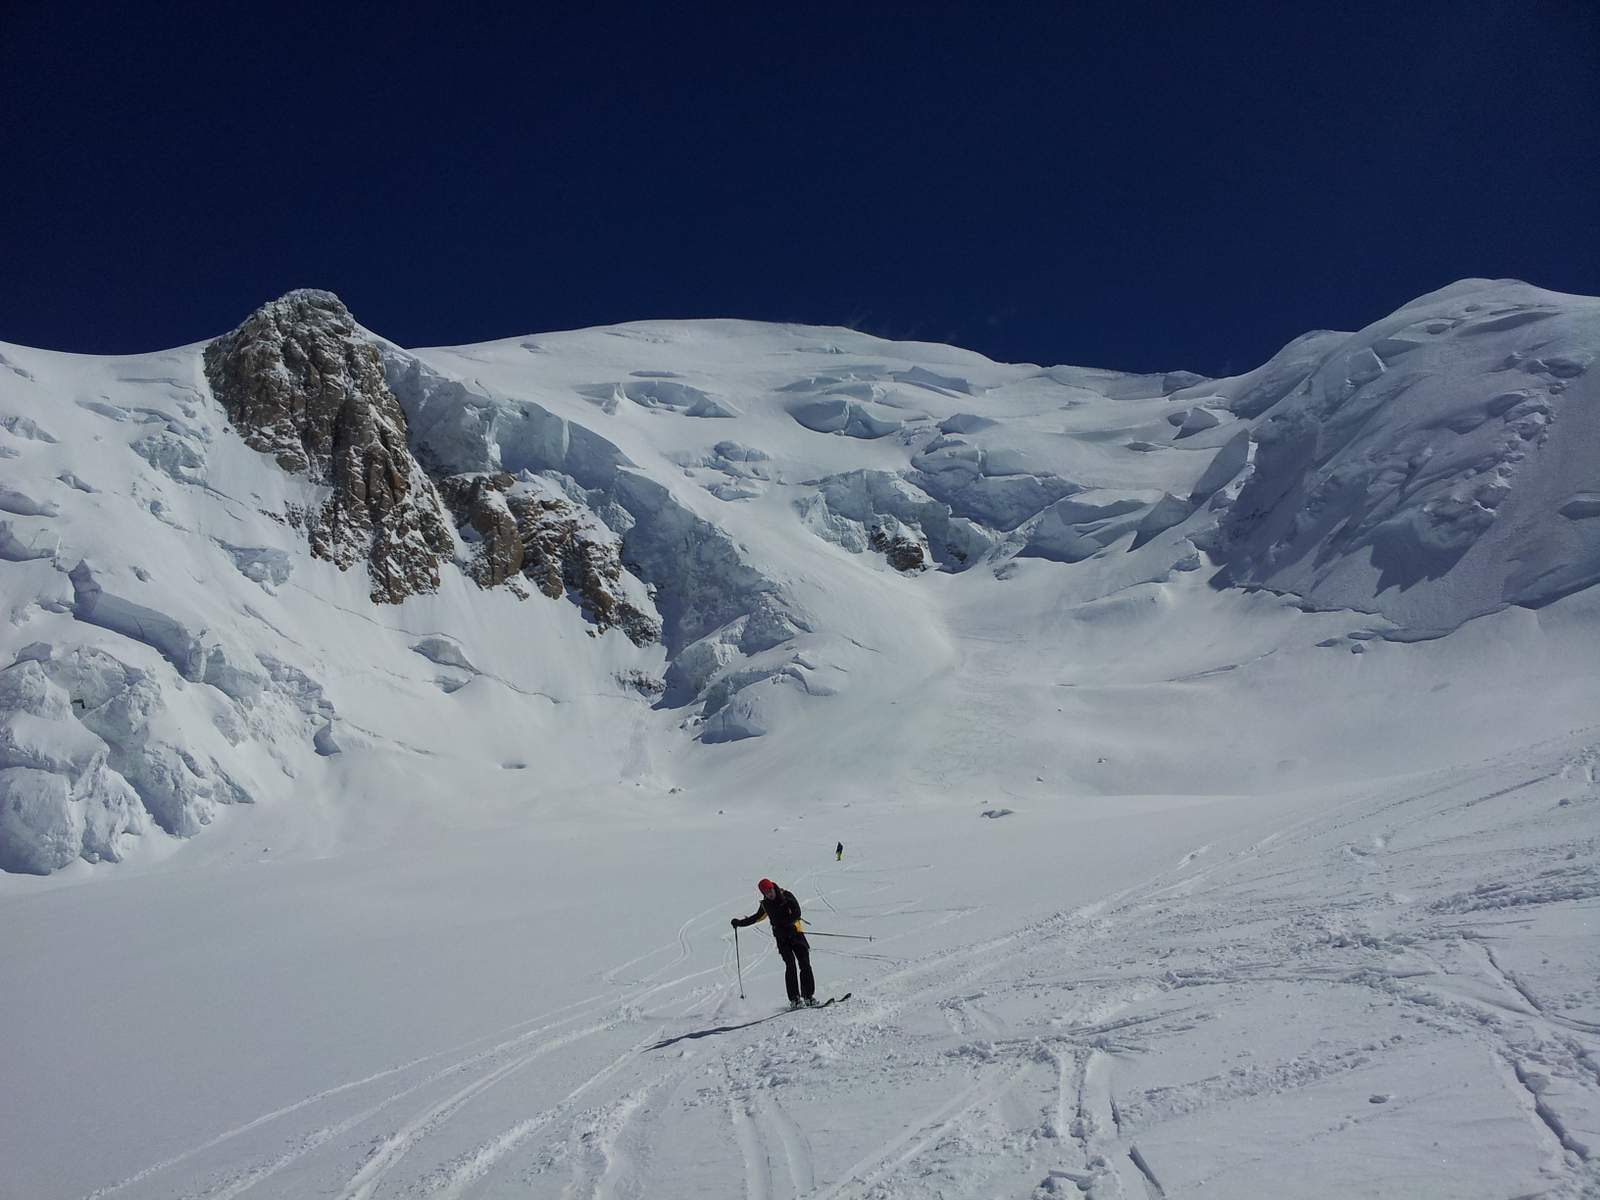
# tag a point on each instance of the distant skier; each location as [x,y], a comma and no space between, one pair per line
[838,852]
[783,911]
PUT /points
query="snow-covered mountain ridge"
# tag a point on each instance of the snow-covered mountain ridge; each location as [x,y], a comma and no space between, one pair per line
[1216,763]
[214,554]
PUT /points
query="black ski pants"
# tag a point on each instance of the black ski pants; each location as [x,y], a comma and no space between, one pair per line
[797,955]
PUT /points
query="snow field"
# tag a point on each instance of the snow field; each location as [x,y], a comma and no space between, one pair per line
[1382,990]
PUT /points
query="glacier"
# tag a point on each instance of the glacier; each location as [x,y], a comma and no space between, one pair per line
[386,735]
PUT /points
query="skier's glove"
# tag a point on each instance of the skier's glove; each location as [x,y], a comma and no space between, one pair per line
[733,922]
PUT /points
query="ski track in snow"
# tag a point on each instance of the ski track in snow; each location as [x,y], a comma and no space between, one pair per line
[757,1170]
[923,1132]
[397,1145]
[1037,1054]
[383,1160]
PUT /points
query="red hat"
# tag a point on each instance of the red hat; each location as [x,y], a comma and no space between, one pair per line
[766,885]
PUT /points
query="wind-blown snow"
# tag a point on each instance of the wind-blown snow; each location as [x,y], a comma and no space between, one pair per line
[1216,763]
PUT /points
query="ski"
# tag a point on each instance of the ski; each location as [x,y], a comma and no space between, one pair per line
[819,1003]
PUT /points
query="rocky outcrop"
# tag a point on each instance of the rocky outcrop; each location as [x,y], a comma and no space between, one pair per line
[693,574]
[525,529]
[301,384]
[903,550]
[478,503]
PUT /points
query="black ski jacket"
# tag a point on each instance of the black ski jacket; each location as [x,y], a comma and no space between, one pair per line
[783,910]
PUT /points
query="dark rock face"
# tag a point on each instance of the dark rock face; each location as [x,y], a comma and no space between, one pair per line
[300,384]
[525,529]
[478,502]
[903,552]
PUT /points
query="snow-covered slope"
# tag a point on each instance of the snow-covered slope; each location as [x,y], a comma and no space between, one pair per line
[1437,466]
[496,665]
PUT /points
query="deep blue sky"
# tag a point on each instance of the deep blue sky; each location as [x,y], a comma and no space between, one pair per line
[1117,185]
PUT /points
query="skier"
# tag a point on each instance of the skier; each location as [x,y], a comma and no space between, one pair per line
[781,908]
[838,852]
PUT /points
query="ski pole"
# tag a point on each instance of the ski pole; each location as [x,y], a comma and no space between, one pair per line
[865,937]
[737,965]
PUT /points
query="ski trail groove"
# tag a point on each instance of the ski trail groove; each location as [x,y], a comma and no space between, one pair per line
[757,1168]
[680,942]
[265,1118]
[924,1132]
[603,1168]
[796,1146]
[327,1093]
[1509,980]
[402,1140]
[1151,1182]
[478,1163]
[1552,1121]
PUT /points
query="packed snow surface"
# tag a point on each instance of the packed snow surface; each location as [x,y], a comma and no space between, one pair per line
[1217,764]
